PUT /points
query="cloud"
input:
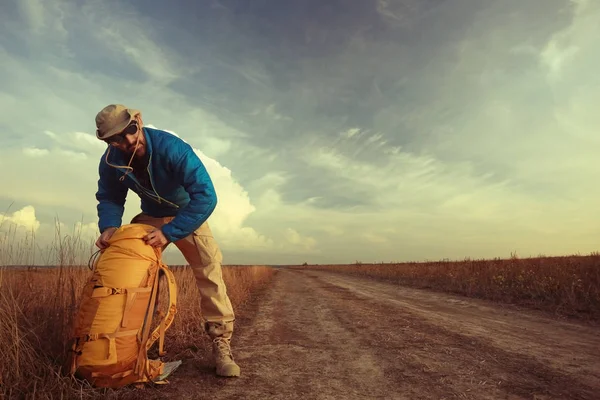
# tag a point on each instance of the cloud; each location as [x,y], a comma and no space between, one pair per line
[35,152]
[233,207]
[555,56]
[564,46]
[398,129]
[228,221]
[23,218]
[129,39]
[60,174]
[25,240]
[33,13]
[270,112]
[298,241]
[374,238]
[43,18]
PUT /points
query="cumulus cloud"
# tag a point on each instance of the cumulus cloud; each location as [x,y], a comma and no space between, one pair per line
[23,218]
[302,243]
[228,221]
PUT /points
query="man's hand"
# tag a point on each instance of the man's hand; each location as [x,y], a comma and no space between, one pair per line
[102,241]
[156,238]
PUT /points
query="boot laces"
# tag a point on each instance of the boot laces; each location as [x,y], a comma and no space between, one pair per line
[223,348]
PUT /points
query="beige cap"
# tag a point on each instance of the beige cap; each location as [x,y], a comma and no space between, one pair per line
[112,119]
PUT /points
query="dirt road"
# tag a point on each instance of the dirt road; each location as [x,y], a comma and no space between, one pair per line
[320,335]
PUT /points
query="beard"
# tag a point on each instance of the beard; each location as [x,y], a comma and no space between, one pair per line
[139,153]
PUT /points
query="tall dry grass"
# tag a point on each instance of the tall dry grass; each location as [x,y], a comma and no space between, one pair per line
[567,286]
[37,306]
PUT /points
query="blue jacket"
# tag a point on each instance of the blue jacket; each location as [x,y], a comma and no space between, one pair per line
[182,186]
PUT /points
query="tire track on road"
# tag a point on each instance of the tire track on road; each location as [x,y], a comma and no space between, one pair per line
[297,347]
[468,350]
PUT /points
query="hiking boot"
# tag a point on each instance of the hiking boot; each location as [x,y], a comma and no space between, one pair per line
[221,347]
[223,359]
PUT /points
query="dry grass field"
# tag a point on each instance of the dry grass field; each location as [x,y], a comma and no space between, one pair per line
[567,286]
[36,311]
[37,306]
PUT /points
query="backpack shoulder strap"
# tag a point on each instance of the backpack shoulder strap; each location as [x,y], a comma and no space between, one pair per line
[165,323]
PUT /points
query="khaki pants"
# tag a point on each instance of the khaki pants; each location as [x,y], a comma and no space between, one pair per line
[204,256]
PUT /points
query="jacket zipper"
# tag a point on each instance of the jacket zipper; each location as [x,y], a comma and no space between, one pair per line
[146,191]
[152,185]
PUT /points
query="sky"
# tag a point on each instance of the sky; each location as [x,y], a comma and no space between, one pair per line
[334,131]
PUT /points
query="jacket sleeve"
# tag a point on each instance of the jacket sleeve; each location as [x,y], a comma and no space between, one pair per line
[111,196]
[192,175]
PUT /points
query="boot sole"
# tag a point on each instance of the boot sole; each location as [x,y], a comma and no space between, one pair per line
[231,374]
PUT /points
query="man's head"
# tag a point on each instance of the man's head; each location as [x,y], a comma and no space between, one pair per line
[121,127]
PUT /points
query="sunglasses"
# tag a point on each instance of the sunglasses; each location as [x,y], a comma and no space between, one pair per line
[130,129]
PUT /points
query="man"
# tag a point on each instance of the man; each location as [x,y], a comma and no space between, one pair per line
[177,197]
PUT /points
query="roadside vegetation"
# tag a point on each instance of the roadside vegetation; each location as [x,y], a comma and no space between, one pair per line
[567,286]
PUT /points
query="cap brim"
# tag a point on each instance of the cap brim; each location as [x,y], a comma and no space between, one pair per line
[115,131]
[112,132]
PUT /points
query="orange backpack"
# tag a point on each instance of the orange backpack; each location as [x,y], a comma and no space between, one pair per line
[111,331]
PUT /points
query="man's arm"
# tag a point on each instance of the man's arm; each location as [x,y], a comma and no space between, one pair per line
[111,196]
[203,198]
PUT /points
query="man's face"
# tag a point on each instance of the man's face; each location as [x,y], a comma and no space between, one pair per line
[128,137]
